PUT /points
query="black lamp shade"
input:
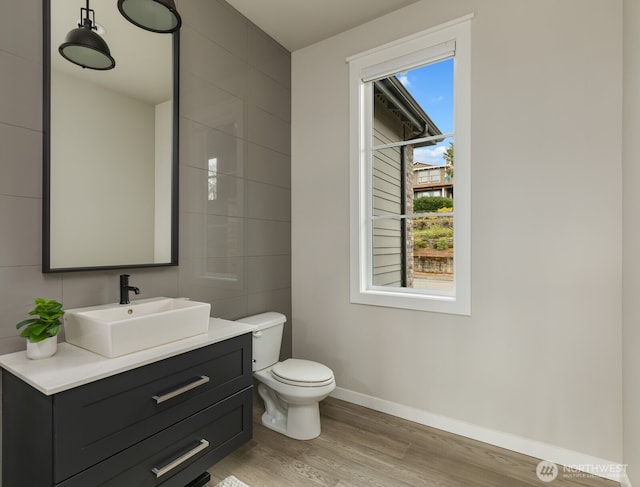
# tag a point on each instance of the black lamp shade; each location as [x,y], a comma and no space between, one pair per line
[153,15]
[86,48]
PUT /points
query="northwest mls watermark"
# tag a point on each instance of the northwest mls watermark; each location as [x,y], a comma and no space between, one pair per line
[549,471]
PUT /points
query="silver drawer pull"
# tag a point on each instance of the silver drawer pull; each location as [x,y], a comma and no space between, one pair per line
[160,471]
[181,390]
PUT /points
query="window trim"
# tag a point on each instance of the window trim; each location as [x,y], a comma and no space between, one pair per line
[400,55]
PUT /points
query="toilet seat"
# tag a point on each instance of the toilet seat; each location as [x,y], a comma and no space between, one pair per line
[303,373]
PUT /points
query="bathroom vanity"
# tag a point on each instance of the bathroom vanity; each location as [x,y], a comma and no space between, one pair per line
[160,416]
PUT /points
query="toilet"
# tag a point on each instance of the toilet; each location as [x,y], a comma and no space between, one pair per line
[292,389]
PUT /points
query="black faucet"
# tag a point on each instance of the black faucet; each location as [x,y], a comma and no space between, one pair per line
[125,288]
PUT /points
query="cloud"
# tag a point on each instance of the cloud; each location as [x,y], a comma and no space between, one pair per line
[430,155]
[404,79]
[437,99]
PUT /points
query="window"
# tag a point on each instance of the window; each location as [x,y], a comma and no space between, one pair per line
[423,177]
[399,144]
[434,176]
[213,179]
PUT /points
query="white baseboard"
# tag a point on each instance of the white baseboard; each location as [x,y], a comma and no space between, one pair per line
[571,461]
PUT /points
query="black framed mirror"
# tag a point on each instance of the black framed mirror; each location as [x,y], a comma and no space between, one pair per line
[110,147]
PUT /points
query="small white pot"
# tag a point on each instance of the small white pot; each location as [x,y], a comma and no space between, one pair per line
[45,348]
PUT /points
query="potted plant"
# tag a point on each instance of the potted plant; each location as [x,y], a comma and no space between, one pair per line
[41,332]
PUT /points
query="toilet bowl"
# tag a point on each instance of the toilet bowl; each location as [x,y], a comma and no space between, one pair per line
[291,389]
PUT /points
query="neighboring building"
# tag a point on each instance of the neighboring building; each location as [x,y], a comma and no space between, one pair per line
[397,117]
[432,180]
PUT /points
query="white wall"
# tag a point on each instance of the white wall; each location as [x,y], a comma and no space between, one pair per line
[631,239]
[162,190]
[104,186]
[540,356]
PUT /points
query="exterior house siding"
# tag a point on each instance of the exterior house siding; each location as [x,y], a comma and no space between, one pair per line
[387,199]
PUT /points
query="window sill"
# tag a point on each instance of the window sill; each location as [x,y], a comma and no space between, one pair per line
[412,300]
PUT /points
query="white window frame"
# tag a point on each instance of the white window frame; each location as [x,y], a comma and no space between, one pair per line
[407,53]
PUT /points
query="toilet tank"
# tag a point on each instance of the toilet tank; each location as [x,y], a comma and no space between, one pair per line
[267,337]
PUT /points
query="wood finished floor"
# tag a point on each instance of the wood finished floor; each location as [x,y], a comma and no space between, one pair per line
[360,447]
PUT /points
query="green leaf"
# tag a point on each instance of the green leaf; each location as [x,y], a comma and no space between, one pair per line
[38,329]
[26,322]
[36,339]
[53,330]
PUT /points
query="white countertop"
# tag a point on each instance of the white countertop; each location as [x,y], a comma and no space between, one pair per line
[72,366]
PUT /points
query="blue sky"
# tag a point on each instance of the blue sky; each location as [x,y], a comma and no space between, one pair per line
[432,87]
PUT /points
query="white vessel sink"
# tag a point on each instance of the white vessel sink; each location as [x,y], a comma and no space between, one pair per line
[112,330]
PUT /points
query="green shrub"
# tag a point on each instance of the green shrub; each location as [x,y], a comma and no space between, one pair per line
[441,244]
[437,232]
[432,203]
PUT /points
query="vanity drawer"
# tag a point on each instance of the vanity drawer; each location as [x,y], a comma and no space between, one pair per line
[163,459]
[100,419]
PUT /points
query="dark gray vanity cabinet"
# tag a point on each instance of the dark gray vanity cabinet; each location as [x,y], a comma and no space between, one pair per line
[161,424]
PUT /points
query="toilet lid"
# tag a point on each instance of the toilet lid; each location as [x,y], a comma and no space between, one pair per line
[300,372]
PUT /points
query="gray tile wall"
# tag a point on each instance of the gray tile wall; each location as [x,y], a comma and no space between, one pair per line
[235,251]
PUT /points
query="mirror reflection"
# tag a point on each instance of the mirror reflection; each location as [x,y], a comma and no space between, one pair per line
[110,197]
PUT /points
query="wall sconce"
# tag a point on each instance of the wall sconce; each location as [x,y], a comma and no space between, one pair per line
[154,15]
[86,48]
